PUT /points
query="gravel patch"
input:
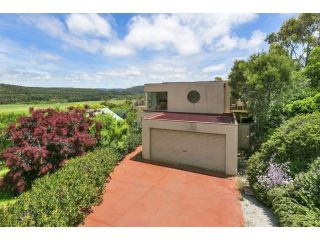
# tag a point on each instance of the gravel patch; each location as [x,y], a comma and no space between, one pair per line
[255,214]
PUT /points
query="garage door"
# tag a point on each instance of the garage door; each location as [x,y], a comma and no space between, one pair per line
[200,150]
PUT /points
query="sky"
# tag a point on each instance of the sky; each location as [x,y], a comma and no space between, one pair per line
[125,50]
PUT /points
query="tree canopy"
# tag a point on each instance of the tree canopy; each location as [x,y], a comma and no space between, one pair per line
[312,71]
[260,80]
[298,36]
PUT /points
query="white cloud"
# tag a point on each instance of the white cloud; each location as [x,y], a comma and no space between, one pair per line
[214,68]
[228,43]
[159,32]
[185,34]
[256,39]
[211,26]
[118,49]
[50,56]
[88,24]
[55,28]
[130,71]
[46,23]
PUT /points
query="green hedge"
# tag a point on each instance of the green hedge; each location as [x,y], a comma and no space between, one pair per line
[65,197]
[297,142]
[298,204]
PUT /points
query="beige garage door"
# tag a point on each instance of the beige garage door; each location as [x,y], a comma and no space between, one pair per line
[200,150]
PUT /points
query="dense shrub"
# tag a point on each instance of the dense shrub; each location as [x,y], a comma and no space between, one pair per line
[113,132]
[297,142]
[298,204]
[8,118]
[65,197]
[5,120]
[118,134]
[42,143]
[303,106]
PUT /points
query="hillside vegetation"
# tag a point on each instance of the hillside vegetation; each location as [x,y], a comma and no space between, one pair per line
[18,94]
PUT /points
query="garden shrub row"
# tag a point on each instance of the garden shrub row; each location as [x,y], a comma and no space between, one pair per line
[298,203]
[295,144]
[65,197]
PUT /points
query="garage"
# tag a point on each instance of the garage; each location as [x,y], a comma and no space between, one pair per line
[187,148]
[194,141]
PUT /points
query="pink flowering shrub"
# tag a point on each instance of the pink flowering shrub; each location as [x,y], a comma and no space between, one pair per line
[43,141]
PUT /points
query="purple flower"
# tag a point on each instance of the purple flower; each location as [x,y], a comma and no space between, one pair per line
[275,175]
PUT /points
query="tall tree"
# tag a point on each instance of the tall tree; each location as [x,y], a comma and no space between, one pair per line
[312,71]
[260,81]
[298,36]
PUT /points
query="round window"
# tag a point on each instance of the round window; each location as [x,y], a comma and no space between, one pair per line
[193,96]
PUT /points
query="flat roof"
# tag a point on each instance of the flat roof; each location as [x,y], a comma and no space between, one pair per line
[210,81]
[226,118]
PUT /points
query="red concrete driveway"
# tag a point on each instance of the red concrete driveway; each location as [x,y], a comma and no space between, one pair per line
[141,194]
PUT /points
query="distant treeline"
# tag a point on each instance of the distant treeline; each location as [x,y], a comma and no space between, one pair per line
[18,94]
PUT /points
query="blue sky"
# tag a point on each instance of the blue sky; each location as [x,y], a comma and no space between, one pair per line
[124,50]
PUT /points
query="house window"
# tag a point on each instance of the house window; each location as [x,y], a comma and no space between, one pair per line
[157,101]
[193,96]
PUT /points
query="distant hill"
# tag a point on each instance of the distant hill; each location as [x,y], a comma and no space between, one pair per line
[18,94]
[132,90]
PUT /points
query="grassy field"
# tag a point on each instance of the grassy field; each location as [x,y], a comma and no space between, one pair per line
[7,108]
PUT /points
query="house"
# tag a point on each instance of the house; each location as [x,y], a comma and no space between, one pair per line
[189,125]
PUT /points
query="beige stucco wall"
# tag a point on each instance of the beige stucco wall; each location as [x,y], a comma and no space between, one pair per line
[229,130]
[212,96]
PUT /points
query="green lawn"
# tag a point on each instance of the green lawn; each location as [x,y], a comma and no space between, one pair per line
[117,101]
[7,108]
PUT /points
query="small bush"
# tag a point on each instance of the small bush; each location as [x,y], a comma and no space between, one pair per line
[298,204]
[123,136]
[42,143]
[297,142]
[113,133]
[65,197]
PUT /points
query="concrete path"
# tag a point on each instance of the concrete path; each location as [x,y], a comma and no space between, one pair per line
[141,194]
